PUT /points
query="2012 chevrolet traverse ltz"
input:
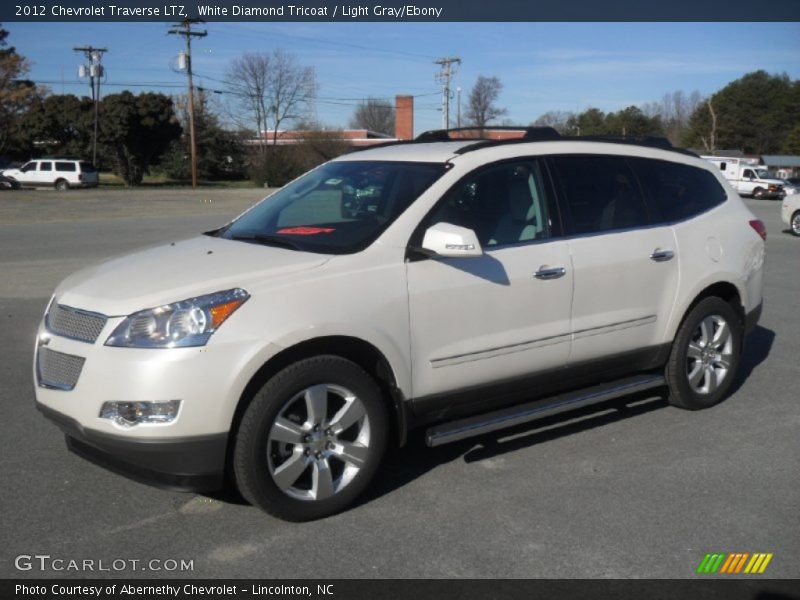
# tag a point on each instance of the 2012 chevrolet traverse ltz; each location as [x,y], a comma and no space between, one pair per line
[454,282]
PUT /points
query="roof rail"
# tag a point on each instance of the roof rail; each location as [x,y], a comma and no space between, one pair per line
[528,134]
[531,134]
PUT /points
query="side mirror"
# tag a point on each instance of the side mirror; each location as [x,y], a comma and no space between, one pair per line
[451,241]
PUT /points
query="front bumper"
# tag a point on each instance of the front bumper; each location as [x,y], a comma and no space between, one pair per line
[191,464]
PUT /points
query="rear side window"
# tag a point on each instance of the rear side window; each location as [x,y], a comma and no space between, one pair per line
[678,191]
[87,167]
[45,166]
[66,166]
[601,193]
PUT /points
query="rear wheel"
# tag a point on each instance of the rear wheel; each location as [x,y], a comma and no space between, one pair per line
[795,223]
[311,439]
[62,185]
[705,355]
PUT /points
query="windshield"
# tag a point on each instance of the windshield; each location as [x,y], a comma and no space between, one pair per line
[338,208]
[763,174]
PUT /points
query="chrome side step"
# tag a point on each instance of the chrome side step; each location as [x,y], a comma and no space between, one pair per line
[523,413]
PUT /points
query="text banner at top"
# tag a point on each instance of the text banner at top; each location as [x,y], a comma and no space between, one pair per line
[403,11]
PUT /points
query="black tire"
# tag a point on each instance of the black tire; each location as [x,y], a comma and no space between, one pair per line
[758,193]
[62,185]
[255,452]
[680,365]
[794,223]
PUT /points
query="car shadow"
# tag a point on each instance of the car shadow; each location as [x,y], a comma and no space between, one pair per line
[757,346]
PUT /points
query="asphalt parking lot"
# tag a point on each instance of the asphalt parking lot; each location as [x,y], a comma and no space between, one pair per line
[643,490]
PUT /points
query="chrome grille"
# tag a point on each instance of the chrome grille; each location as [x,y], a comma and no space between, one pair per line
[74,323]
[58,370]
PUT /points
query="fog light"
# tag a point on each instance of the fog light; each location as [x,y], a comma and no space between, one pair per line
[129,414]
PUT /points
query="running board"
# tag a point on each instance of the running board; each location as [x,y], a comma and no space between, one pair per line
[523,413]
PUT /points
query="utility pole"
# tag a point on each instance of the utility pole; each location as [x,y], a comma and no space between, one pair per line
[446,73]
[458,112]
[185,30]
[94,70]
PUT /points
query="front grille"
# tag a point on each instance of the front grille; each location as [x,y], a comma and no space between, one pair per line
[74,323]
[58,370]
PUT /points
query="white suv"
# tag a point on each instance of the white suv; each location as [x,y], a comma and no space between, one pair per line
[60,173]
[462,285]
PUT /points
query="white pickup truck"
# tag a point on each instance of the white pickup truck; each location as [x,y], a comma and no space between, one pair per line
[747,178]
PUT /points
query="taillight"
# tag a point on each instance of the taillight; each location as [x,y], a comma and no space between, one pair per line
[80,176]
[758,225]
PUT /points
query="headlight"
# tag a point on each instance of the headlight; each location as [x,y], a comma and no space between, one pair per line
[180,324]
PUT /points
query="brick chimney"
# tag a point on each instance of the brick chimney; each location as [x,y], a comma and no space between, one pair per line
[404,117]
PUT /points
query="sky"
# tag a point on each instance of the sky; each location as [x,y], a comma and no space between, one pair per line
[543,66]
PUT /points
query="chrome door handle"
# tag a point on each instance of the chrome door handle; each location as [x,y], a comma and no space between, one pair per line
[662,255]
[549,273]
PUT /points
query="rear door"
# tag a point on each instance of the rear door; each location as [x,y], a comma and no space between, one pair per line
[45,174]
[502,315]
[625,272]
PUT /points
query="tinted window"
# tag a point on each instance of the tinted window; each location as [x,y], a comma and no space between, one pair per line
[748,174]
[338,208]
[503,204]
[45,166]
[678,191]
[87,167]
[31,166]
[601,193]
[65,166]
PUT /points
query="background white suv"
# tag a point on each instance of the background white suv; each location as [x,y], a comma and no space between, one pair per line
[60,173]
[464,285]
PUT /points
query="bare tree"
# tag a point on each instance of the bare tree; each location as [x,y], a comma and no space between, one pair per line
[675,109]
[557,119]
[481,105]
[272,89]
[711,143]
[375,114]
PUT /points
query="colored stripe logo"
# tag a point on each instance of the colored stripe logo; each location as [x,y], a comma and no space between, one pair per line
[734,563]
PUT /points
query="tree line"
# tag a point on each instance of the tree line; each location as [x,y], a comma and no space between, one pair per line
[265,92]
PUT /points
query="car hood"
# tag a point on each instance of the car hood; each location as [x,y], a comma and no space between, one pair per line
[177,271]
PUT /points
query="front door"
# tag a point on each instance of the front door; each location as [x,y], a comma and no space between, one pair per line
[502,315]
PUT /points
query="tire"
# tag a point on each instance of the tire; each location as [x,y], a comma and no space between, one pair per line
[62,185]
[794,223]
[758,193]
[311,440]
[699,376]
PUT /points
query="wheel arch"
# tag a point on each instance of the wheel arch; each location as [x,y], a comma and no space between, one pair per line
[355,349]
[720,289]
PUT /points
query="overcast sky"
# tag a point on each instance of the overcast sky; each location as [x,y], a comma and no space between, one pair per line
[543,66]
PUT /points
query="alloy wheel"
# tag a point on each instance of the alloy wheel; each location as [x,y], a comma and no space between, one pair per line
[709,355]
[318,442]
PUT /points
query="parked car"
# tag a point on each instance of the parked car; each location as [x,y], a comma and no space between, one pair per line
[747,178]
[6,183]
[60,173]
[790,213]
[791,186]
[487,283]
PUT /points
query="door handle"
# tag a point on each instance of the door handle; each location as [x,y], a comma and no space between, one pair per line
[659,255]
[550,273]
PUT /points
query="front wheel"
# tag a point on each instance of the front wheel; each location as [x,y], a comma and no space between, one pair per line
[705,355]
[311,440]
[758,193]
[795,223]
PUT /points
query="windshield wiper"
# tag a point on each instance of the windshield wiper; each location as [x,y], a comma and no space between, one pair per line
[266,240]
